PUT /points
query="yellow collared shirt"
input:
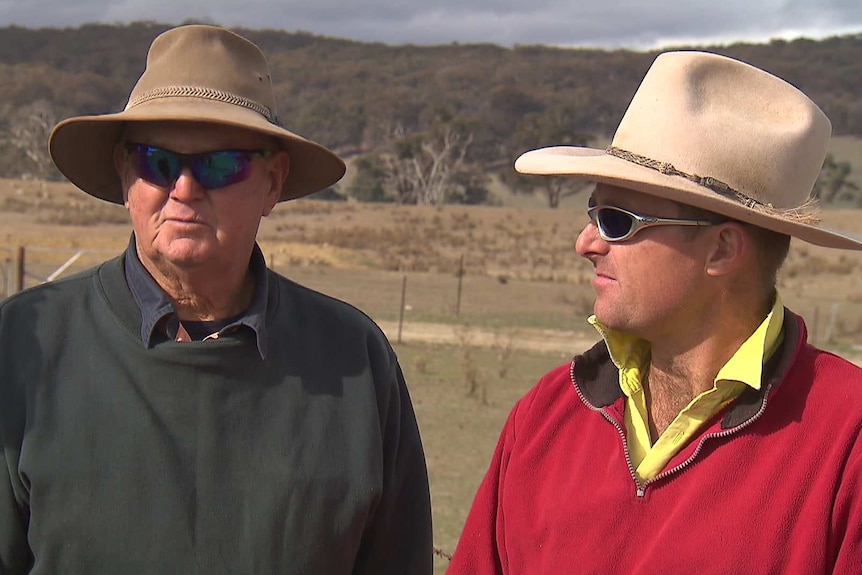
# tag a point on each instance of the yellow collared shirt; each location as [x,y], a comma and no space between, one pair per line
[631,355]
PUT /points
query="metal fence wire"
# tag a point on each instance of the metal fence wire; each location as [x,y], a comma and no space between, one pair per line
[480,301]
[23,267]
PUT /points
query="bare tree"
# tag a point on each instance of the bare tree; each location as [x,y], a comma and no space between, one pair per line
[423,168]
[27,131]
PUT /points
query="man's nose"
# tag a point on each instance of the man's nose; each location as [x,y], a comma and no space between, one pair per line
[186,187]
[589,242]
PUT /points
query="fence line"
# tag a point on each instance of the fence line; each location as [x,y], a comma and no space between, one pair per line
[19,272]
[437,298]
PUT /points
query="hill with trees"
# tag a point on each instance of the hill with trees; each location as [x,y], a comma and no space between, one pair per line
[420,124]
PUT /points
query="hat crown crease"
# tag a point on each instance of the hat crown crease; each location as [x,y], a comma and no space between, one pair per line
[206,61]
[717,134]
[692,111]
[198,74]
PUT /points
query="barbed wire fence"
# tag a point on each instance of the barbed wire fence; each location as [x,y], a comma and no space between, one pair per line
[831,321]
[440,553]
[27,266]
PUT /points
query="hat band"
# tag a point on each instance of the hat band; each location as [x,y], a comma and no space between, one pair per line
[806,213]
[203,93]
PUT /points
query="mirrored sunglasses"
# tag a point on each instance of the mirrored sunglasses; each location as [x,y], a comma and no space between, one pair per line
[617,225]
[212,170]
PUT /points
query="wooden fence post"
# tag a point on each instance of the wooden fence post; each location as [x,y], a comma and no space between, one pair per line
[460,274]
[19,269]
[403,300]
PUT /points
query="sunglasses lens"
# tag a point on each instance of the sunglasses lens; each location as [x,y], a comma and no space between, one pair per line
[613,223]
[156,166]
[220,169]
[211,169]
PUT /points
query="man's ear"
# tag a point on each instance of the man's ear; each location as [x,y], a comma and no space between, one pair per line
[279,168]
[730,249]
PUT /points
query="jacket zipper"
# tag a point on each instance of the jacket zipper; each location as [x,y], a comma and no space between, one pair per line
[640,488]
[719,435]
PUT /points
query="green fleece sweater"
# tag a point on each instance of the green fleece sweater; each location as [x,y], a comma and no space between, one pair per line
[201,457]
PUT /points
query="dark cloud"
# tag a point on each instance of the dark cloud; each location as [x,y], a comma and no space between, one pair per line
[610,24]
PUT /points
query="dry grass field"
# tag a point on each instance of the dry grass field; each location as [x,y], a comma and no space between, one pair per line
[471,345]
[520,269]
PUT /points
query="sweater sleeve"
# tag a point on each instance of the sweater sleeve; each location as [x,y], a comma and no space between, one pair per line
[846,537]
[14,552]
[481,549]
[398,540]
[15,555]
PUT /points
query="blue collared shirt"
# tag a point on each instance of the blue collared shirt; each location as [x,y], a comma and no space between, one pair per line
[159,320]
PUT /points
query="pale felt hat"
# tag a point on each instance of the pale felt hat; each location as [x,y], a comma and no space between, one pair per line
[718,134]
[198,74]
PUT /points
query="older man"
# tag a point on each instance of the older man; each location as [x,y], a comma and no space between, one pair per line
[181,408]
[703,434]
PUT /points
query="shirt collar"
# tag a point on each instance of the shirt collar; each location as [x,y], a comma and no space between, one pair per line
[630,354]
[158,319]
[746,365]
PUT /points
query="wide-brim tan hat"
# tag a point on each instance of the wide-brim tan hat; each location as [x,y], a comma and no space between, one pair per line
[718,134]
[193,74]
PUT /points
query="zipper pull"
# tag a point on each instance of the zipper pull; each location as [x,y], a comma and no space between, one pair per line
[641,491]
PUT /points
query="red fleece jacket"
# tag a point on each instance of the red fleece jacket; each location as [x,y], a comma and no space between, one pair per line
[773,484]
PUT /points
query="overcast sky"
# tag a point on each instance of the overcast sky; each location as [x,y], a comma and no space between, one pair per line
[638,24]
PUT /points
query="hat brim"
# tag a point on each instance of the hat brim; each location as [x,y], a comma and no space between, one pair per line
[597,166]
[82,148]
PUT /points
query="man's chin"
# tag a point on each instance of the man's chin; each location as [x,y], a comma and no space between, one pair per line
[610,318]
[187,253]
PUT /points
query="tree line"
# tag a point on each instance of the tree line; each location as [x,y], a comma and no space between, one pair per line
[420,124]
